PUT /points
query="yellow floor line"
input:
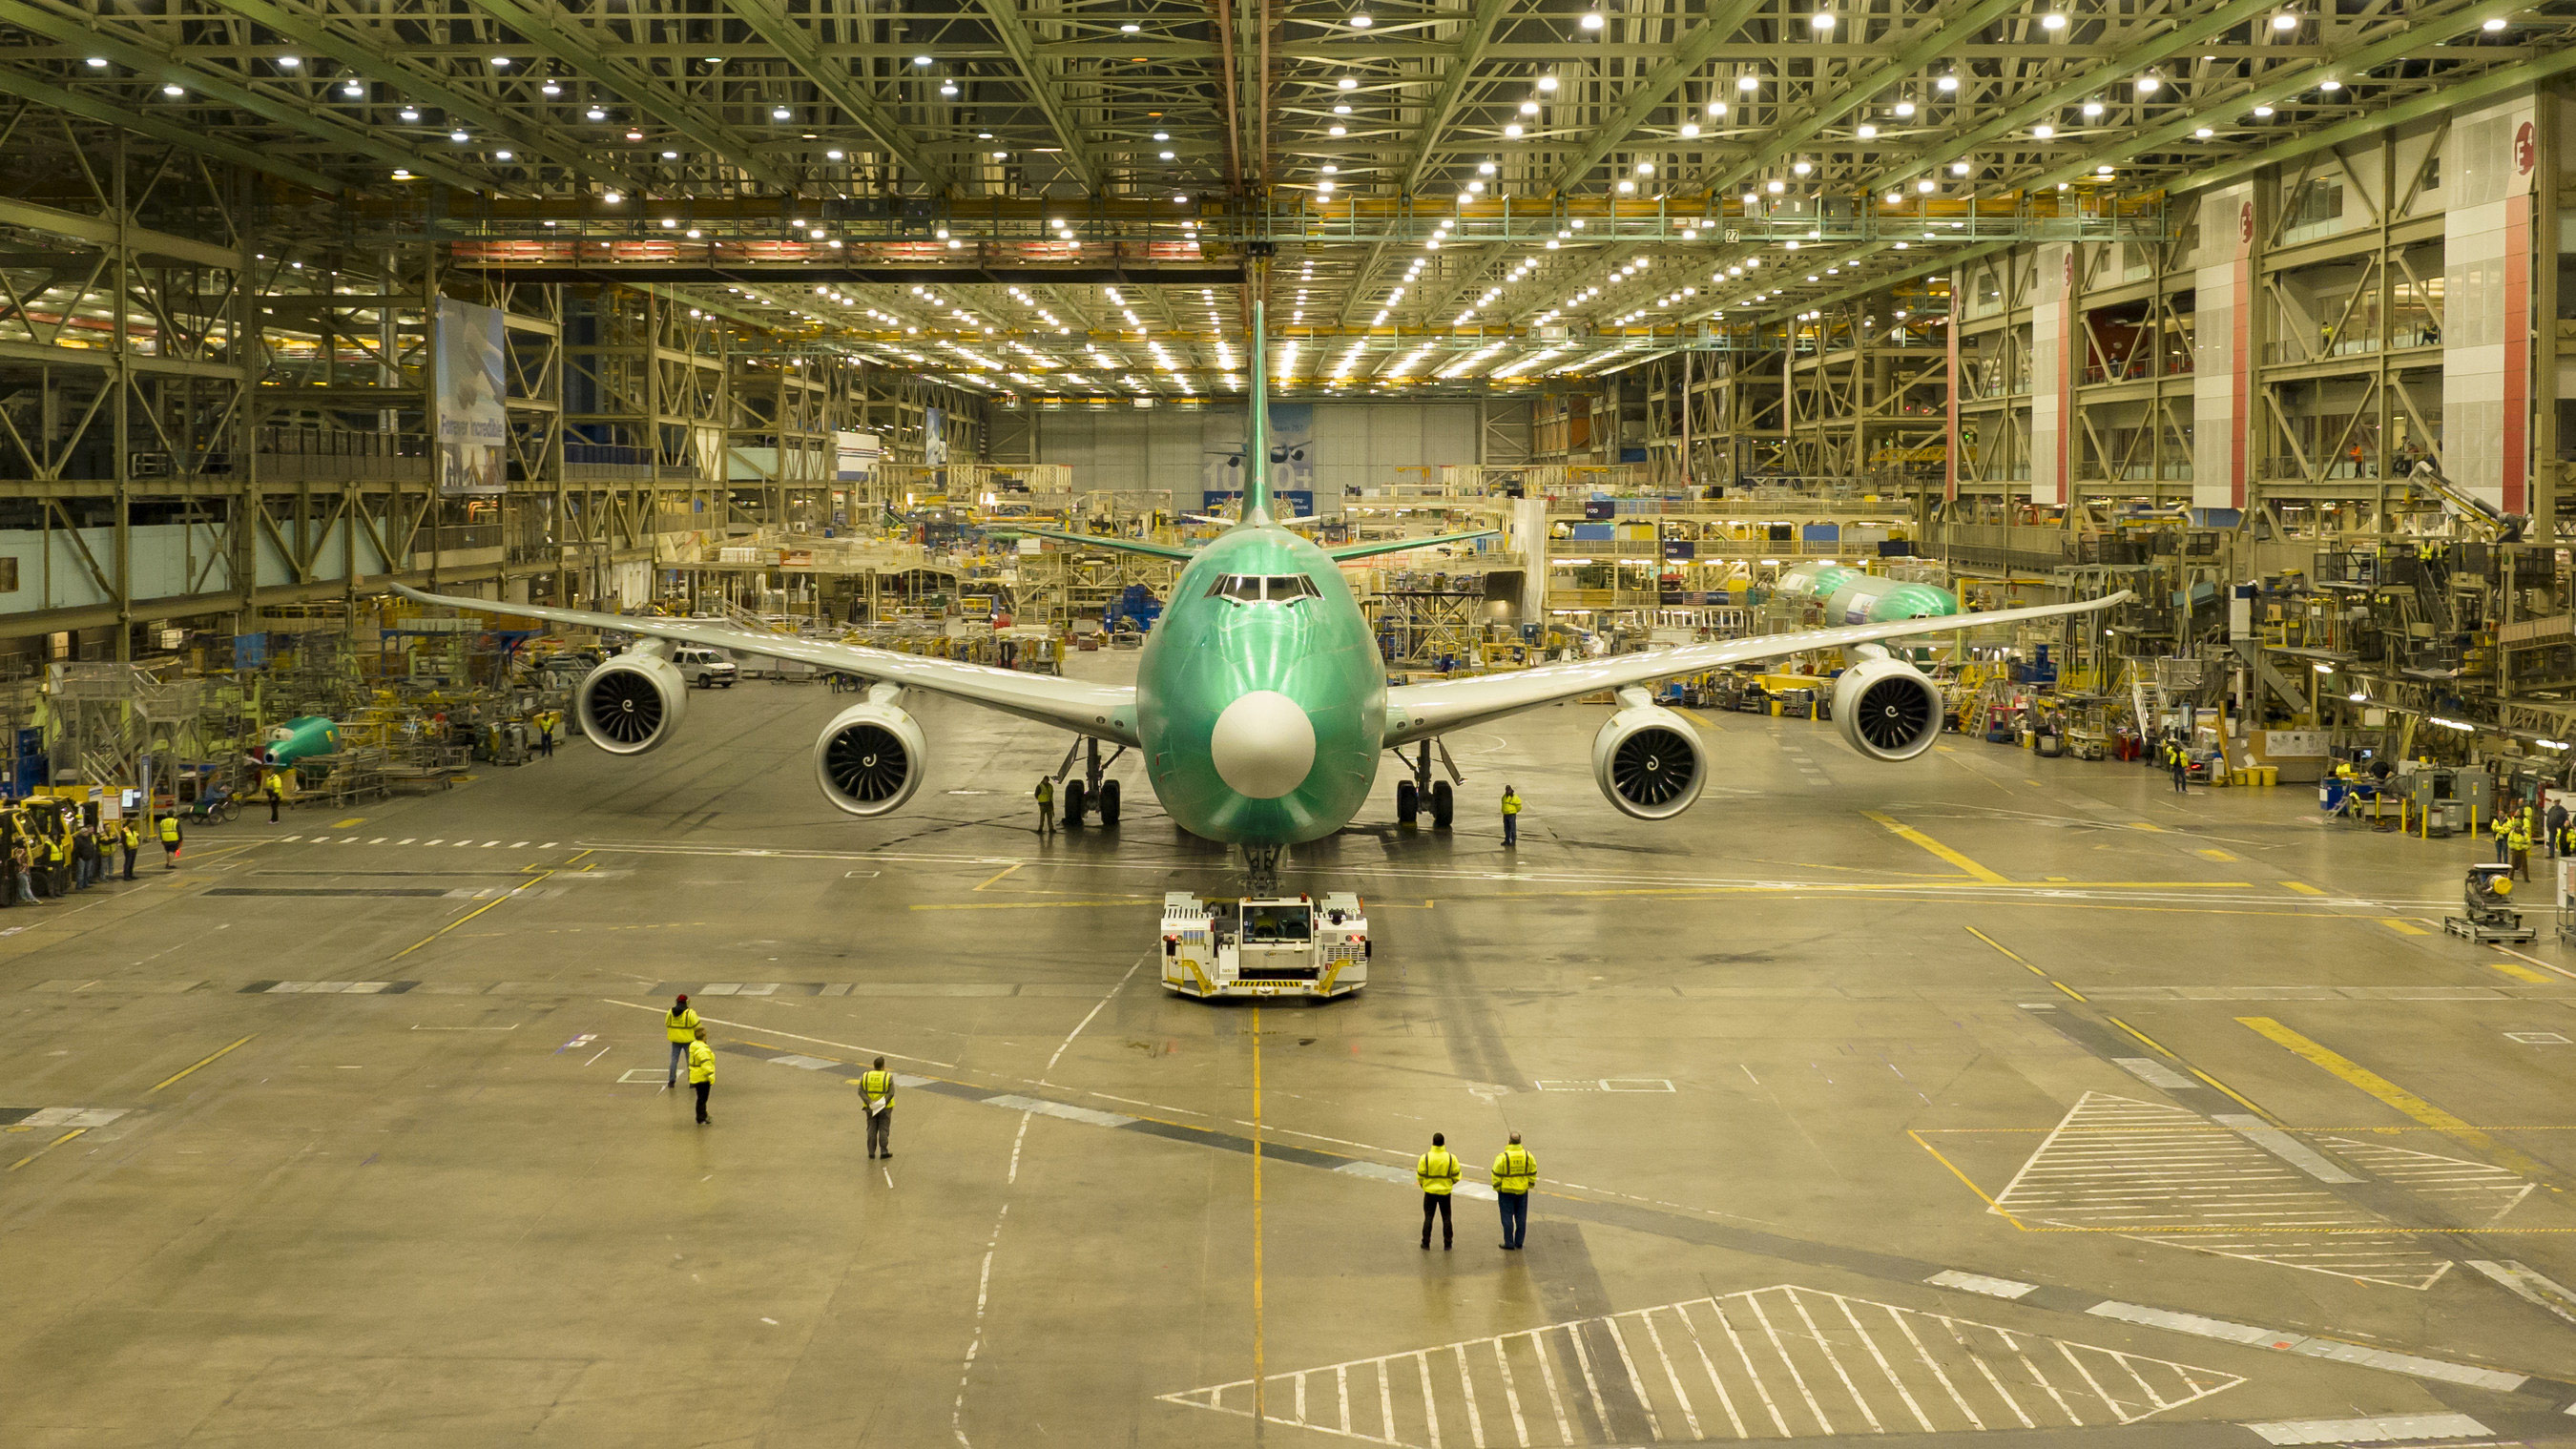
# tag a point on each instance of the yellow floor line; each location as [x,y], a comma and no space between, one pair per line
[2520,972]
[2302,887]
[48,1147]
[2355,1074]
[2403,927]
[192,1066]
[1912,836]
[2214,853]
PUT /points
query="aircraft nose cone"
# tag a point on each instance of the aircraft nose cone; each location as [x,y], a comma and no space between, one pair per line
[1263,745]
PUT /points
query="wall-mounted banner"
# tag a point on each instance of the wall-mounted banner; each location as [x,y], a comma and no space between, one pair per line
[854,456]
[473,418]
[2052,375]
[934,438]
[2486,302]
[2222,350]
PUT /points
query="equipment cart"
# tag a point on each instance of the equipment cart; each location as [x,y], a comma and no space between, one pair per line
[1289,946]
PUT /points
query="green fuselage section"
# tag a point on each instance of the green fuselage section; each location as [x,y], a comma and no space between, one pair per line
[1207,652]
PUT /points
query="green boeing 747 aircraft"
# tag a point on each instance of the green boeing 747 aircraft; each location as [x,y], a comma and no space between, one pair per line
[1261,706]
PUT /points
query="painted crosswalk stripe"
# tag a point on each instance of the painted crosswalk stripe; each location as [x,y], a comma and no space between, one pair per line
[1972,1377]
[406,840]
[549,845]
[289,839]
[432,842]
[379,840]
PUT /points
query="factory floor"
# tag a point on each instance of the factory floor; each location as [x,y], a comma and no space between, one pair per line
[1985,1095]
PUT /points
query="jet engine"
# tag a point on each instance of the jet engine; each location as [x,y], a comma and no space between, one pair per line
[1648,761]
[870,758]
[1887,709]
[631,703]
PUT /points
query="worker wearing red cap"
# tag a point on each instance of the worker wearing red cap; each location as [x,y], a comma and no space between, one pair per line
[681,1026]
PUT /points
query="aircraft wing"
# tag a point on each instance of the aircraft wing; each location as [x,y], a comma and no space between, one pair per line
[1371,550]
[1419,711]
[1124,545]
[1101,710]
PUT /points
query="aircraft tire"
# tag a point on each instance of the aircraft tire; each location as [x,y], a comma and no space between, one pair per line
[1443,804]
[1108,802]
[1408,802]
[1074,801]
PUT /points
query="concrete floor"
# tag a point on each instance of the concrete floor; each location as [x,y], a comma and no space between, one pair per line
[1842,1030]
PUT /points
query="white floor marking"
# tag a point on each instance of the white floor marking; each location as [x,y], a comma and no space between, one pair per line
[1980,1283]
[2412,1365]
[2530,1286]
[1975,1377]
[2134,1167]
[2369,1431]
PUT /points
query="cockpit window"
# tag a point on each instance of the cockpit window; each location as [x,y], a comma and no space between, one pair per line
[1254,588]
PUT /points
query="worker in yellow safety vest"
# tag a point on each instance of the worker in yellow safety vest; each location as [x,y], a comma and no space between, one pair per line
[702,1071]
[130,837]
[2498,829]
[1515,1173]
[681,1026]
[170,842]
[1511,816]
[1438,1172]
[876,1093]
[2517,844]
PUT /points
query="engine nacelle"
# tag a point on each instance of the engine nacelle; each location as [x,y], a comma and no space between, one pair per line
[631,703]
[870,758]
[1649,762]
[1887,709]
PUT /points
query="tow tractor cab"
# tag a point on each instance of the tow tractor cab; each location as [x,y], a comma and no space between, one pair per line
[1291,946]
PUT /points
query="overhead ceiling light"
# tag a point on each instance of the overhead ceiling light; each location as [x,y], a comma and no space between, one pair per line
[948,88]
[2092,109]
[921,60]
[98,62]
[780,113]
[500,155]
[611,197]
[1689,129]
[1958,168]
[2043,130]
[1593,20]
[1867,131]
[2149,82]
[1749,81]
[674,155]
[289,62]
[1513,130]
[1361,21]
[1347,83]
[2052,21]
[2330,84]
[500,62]
[1130,28]
[2204,132]
[1949,81]
[352,89]
[2493,24]
[1821,21]
[1716,108]
[1904,109]
[456,136]
[2262,111]
[1927,186]
[173,90]
[595,113]
[1166,155]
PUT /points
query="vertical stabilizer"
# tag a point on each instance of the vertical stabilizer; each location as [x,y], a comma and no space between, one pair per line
[1256,438]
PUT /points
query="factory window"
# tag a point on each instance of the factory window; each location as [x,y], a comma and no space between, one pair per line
[1248,588]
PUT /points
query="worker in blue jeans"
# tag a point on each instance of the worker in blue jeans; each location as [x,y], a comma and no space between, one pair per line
[1511,816]
[681,1026]
[1515,1173]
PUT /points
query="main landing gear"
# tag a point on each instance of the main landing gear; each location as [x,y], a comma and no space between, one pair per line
[1424,795]
[1094,792]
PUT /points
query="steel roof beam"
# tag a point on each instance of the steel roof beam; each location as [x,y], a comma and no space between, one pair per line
[568,45]
[92,109]
[321,40]
[1701,42]
[1040,84]
[147,61]
[830,75]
